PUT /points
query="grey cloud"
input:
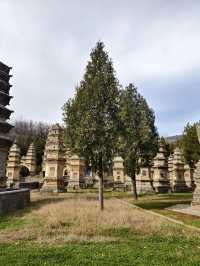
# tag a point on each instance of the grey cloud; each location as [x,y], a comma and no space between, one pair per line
[153,44]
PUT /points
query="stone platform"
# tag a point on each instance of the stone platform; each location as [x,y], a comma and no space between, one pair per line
[30,185]
[11,200]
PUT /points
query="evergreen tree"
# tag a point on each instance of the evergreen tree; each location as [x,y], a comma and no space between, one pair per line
[91,116]
[138,135]
[190,145]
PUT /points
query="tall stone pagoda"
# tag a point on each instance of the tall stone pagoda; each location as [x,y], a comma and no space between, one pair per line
[160,171]
[5,127]
[54,160]
[178,181]
[29,160]
[13,165]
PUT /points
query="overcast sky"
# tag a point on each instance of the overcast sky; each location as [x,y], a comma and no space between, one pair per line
[154,43]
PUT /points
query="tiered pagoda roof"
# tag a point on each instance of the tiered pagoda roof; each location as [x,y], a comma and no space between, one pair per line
[14,155]
[55,148]
[4,101]
[160,159]
[4,98]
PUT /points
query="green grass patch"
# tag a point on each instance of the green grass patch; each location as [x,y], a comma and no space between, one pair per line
[121,233]
[159,205]
[186,218]
[160,202]
[137,250]
[11,222]
[129,248]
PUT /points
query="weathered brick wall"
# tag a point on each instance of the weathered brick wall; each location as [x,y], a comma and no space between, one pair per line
[14,200]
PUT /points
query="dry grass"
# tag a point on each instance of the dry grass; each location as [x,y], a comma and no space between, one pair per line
[83,217]
[72,220]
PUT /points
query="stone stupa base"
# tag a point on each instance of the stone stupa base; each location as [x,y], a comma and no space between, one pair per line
[196,197]
[53,185]
[145,186]
[180,187]
[161,186]
[119,186]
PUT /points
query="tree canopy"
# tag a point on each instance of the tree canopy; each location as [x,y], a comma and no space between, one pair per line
[190,144]
[91,117]
[138,134]
[103,120]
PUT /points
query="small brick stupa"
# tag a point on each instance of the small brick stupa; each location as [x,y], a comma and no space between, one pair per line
[30,160]
[77,172]
[160,172]
[178,180]
[13,165]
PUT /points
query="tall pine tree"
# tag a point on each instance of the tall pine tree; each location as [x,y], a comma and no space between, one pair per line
[138,135]
[190,145]
[91,117]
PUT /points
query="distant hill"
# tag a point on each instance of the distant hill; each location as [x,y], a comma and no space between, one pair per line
[173,139]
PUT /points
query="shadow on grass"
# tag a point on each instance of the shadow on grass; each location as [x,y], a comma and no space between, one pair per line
[159,205]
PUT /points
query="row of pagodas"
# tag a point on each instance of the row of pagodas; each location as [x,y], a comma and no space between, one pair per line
[63,170]
[60,167]
[163,176]
[18,167]
[171,174]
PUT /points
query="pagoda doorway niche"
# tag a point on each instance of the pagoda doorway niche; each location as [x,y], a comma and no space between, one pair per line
[24,171]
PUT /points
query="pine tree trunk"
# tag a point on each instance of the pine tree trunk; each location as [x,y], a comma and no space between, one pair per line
[101,196]
[135,196]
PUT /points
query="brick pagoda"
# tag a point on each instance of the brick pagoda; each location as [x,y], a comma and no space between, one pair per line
[5,141]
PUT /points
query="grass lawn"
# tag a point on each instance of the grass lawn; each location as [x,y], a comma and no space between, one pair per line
[159,203]
[134,250]
[70,230]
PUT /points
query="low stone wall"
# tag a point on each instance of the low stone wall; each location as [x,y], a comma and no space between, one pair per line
[11,200]
[30,185]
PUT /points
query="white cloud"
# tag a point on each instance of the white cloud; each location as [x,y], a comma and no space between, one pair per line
[154,44]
